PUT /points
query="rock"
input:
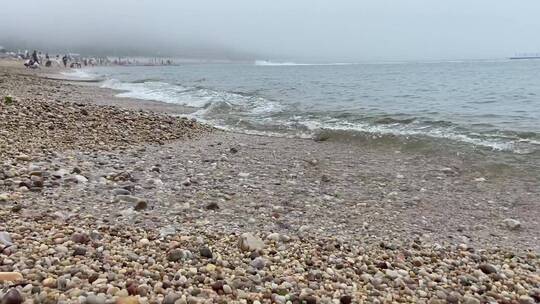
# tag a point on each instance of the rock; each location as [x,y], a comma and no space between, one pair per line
[49,282]
[4,197]
[166,231]
[93,299]
[79,251]
[453,298]
[258,263]
[212,206]
[217,286]
[488,268]
[128,300]
[512,224]
[249,242]
[10,276]
[345,300]
[128,199]
[303,229]
[12,297]
[176,255]
[80,238]
[526,300]
[171,298]
[206,252]
[273,237]
[233,150]
[23,157]
[470,300]
[80,179]
[5,238]
[227,289]
[121,191]
[60,173]
[140,205]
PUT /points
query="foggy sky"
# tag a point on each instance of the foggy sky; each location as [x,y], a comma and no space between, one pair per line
[301,30]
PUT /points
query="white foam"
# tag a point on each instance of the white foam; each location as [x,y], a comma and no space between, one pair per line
[80,74]
[498,145]
[271,63]
[193,97]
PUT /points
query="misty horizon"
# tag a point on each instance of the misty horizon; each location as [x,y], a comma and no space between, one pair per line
[303,31]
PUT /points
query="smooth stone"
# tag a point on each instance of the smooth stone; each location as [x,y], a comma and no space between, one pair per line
[121,191]
[250,242]
[10,276]
[258,263]
[12,297]
[171,298]
[488,268]
[93,299]
[5,238]
[206,252]
[512,224]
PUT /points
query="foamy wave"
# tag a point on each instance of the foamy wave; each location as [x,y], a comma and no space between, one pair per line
[495,144]
[210,101]
[80,74]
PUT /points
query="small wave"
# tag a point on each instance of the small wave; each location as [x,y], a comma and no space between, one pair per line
[390,120]
[271,63]
[383,130]
[210,101]
[80,74]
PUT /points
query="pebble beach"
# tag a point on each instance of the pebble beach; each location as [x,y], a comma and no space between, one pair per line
[109,200]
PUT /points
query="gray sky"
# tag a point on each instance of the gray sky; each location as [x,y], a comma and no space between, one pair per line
[302,30]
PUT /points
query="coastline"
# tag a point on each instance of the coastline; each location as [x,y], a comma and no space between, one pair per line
[317,205]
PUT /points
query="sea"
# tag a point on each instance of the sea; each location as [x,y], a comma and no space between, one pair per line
[491,105]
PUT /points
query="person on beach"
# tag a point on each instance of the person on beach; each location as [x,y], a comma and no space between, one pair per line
[65,60]
[35,56]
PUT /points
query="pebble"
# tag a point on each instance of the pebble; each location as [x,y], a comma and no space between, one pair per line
[206,252]
[250,242]
[95,299]
[512,224]
[10,276]
[488,268]
[12,297]
[258,263]
[5,238]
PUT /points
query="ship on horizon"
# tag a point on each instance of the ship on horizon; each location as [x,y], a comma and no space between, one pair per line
[526,56]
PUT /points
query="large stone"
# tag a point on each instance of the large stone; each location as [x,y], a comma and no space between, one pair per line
[4,197]
[93,299]
[250,242]
[488,268]
[12,297]
[10,277]
[258,263]
[128,199]
[171,298]
[512,224]
[5,239]
[127,300]
[176,255]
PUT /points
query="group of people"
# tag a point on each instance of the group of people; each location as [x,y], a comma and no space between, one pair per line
[38,59]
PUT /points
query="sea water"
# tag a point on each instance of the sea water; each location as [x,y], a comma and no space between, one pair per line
[492,104]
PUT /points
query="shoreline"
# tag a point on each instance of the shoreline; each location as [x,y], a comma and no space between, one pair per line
[335,219]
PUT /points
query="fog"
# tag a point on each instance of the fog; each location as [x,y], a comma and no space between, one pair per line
[301,30]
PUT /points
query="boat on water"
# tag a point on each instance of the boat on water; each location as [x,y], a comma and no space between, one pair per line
[526,56]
